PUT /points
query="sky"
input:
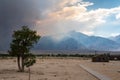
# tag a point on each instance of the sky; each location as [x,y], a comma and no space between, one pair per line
[54,17]
[91,17]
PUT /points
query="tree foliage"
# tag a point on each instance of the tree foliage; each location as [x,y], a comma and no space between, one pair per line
[23,41]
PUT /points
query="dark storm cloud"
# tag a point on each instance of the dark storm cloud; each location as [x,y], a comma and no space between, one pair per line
[16,13]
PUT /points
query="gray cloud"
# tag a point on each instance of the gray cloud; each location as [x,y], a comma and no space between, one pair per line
[14,14]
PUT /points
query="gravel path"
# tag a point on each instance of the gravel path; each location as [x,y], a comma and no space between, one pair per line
[95,74]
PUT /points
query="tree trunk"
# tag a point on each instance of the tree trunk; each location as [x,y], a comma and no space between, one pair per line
[29,73]
[18,62]
[22,63]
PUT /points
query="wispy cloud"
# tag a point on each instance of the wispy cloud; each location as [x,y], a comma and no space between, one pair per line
[118,16]
[59,17]
[68,15]
[95,18]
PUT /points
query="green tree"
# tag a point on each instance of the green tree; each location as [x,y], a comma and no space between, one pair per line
[23,41]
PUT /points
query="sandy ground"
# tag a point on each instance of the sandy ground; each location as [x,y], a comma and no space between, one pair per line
[58,69]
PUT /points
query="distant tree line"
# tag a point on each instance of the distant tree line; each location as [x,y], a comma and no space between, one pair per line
[66,55]
[5,55]
[55,55]
[111,57]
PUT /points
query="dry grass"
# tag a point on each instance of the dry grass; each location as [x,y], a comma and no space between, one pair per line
[57,69]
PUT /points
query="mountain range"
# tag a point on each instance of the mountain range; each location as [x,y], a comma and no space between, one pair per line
[79,41]
[116,38]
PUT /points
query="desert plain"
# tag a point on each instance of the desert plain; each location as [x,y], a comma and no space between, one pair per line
[59,69]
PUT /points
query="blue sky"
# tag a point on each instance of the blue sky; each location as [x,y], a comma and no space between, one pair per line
[109,28]
[104,3]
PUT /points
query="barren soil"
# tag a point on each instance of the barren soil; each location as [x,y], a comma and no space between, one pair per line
[58,69]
